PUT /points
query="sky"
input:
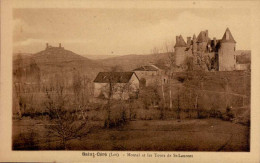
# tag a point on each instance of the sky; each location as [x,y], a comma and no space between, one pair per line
[122,31]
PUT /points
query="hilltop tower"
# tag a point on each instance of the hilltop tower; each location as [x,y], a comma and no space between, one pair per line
[226,53]
[180,48]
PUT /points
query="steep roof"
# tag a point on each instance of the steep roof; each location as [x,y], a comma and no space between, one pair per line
[113,77]
[180,42]
[147,68]
[203,37]
[227,37]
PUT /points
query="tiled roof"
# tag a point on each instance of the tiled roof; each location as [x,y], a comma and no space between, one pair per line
[113,77]
[227,37]
[147,68]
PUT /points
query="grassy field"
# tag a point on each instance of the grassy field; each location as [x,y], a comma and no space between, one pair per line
[154,135]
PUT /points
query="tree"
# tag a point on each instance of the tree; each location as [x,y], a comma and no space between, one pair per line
[62,123]
[149,96]
[81,92]
[155,50]
[178,105]
[169,49]
[116,94]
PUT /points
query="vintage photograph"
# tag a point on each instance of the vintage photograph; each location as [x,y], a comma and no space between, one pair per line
[131,79]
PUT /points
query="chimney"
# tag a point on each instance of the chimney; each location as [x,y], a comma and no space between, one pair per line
[47,45]
[59,45]
[188,41]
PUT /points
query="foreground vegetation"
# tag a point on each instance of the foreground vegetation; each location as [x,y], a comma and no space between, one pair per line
[167,135]
[68,116]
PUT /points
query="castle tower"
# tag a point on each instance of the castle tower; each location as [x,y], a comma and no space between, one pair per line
[203,40]
[194,44]
[179,49]
[226,53]
[188,42]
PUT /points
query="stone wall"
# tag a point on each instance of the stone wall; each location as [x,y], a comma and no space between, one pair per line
[180,55]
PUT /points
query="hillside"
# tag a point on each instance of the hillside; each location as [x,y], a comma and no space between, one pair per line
[99,56]
[19,55]
[55,62]
[132,61]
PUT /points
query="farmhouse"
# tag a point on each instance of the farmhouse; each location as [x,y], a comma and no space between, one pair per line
[116,85]
[150,74]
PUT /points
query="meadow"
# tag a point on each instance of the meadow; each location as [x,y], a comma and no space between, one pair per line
[141,135]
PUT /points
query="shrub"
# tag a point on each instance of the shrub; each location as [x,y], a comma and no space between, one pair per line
[148,114]
[229,115]
[116,115]
[203,114]
[215,113]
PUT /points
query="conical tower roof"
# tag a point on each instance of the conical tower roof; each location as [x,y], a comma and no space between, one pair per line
[227,37]
[180,42]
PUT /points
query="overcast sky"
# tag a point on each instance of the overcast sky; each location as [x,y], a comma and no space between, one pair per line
[122,31]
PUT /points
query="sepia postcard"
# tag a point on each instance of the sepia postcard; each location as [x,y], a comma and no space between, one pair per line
[138,81]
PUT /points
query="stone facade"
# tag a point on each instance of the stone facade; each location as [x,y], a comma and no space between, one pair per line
[150,75]
[205,53]
[121,85]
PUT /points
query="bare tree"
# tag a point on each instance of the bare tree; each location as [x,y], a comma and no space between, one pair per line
[116,93]
[81,91]
[155,50]
[169,49]
[178,105]
[62,123]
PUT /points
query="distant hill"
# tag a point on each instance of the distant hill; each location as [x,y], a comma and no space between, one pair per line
[95,57]
[19,55]
[59,58]
[132,61]
[56,61]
